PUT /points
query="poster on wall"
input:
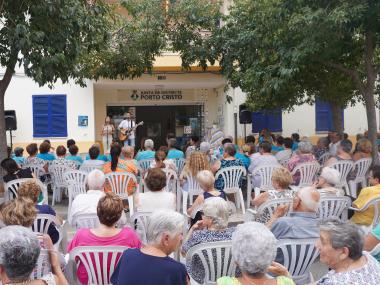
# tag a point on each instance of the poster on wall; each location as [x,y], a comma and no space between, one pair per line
[83,121]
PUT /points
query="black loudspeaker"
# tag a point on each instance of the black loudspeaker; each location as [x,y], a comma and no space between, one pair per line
[10,120]
[245,116]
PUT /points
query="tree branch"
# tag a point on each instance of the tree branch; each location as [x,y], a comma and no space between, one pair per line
[4,83]
[351,73]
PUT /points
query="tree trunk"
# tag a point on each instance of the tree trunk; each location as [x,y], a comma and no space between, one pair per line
[337,116]
[3,137]
[369,101]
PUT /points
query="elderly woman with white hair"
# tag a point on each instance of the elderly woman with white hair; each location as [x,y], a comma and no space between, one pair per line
[212,227]
[327,181]
[304,154]
[19,253]
[151,264]
[341,248]
[148,152]
[254,255]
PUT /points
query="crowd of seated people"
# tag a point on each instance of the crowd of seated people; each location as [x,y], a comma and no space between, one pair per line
[254,244]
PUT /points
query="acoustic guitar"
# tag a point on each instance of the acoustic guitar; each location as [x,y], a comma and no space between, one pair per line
[125,133]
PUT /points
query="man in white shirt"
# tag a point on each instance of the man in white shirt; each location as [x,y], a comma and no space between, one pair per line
[335,139]
[128,124]
[287,152]
[88,203]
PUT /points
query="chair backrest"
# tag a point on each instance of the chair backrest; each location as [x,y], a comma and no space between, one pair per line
[193,186]
[265,174]
[11,188]
[375,202]
[361,167]
[216,259]
[88,221]
[58,172]
[270,206]
[299,255]
[231,176]
[76,181]
[119,182]
[43,265]
[139,222]
[98,261]
[36,169]
[180,164]
[144,164]
[284,162]
[89,168]
[344,167]
[324,157]
[332,207]
[307,172]
[42,222]
[171,180]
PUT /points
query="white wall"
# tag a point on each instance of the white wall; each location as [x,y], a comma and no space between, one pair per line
[79,102]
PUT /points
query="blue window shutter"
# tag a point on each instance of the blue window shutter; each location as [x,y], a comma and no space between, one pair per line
[58,116]
[323,116]
[49,116]
[258,121]
[271,120]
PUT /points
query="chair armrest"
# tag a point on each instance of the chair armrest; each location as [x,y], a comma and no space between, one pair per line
[250,215]
[64,227]
[354,209]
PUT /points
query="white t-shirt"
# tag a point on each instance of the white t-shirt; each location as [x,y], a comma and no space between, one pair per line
[153,201]
[127,124]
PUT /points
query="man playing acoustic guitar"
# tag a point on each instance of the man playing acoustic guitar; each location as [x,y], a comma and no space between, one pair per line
[127,127]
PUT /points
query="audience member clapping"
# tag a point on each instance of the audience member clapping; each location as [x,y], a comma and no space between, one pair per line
[253,250]
[151,264]
[109,210]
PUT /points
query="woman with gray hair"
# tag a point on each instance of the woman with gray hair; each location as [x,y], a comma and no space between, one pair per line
[343,153]
[341,249]
[326,182]
[19,253]
[151,264]
[304,154]
[254,254]
[212,227]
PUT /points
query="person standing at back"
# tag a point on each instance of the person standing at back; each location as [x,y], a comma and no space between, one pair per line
[128,124]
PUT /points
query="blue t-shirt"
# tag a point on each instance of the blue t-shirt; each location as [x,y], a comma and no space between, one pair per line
[175,153]
[276,148]
[52,231]
[245,159]
[100,157]
[46,156]
[295,146]
[137,268]
[146,154]
[76,158]
[19,159]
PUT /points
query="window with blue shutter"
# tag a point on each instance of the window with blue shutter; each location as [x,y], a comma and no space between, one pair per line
[49,116]
[270,119]
[323,117]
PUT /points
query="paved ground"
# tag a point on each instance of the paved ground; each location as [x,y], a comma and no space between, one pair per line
[318,269]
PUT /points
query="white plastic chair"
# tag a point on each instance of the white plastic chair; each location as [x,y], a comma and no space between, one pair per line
[284,162]
[104,257]
[43,266]
[269,207]
[361,167]
[59,183]
[307,172]
[87,221]
[144,165]
[264,173]
[333,207]
[41,225]
[376,250]
[11,189]
[139,222]
[171,180]
[76,181]
[299,255]
[375,202]
[231,177]
[324,157]
[119,182]
[89,168]
[344,167]
[193,189]
[36,169]
[180,164]
[216,258]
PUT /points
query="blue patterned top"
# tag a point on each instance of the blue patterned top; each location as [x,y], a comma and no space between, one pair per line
[219,182]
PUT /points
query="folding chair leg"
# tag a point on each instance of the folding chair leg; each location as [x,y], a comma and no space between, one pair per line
[241,198]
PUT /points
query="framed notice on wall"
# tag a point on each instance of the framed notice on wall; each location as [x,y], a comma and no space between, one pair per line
[83,121]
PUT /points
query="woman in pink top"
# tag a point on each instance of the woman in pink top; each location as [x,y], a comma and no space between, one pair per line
[110,208]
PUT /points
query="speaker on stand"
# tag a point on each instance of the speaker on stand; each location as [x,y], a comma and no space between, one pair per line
[10,123]
[245,117]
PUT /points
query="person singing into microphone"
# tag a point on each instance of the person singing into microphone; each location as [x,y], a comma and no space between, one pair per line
[107,133]
[127,124]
